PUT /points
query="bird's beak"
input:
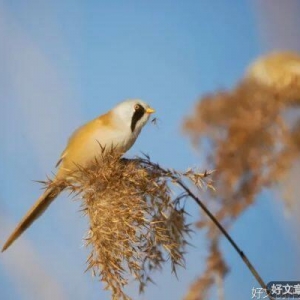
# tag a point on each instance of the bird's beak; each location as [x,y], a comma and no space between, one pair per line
[150,110]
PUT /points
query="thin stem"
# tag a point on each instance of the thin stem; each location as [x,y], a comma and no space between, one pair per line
[226,234]
[214,220]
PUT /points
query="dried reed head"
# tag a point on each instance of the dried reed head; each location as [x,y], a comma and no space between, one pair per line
[253,142]
[136,223]
[279,71]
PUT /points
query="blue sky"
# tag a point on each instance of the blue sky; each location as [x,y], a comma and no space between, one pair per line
[65,62]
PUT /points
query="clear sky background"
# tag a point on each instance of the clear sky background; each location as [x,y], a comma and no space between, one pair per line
[65,62]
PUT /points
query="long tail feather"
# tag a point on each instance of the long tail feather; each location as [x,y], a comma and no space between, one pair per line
[36,211]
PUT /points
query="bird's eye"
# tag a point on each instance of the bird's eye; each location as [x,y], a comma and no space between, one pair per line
[137,107]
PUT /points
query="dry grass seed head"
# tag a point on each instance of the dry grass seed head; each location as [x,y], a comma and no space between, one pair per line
[253,144]
[135,226]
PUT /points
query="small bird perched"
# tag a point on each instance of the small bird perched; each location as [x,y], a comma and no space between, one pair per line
[118,129]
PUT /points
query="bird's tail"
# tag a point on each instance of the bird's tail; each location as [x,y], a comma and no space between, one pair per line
[36,211]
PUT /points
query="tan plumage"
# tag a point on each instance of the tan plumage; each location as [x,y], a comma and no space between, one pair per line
[118,128]
[35,211]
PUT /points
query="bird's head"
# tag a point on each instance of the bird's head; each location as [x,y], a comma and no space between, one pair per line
[133,114]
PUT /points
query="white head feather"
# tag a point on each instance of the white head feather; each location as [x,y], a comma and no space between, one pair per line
[126,110]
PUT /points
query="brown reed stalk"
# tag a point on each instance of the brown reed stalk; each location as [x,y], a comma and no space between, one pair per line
[136,223]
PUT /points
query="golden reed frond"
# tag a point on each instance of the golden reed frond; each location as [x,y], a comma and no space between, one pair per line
[136,222]
[254,142]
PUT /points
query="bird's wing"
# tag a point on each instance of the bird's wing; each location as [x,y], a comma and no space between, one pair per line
[61,158]
[70,141]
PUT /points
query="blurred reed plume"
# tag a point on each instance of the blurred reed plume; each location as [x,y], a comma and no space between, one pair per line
[253,136]
[136,222]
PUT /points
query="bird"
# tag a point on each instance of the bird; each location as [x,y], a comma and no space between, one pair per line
[117,129]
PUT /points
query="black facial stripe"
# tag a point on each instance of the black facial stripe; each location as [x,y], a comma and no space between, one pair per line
[137,115]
